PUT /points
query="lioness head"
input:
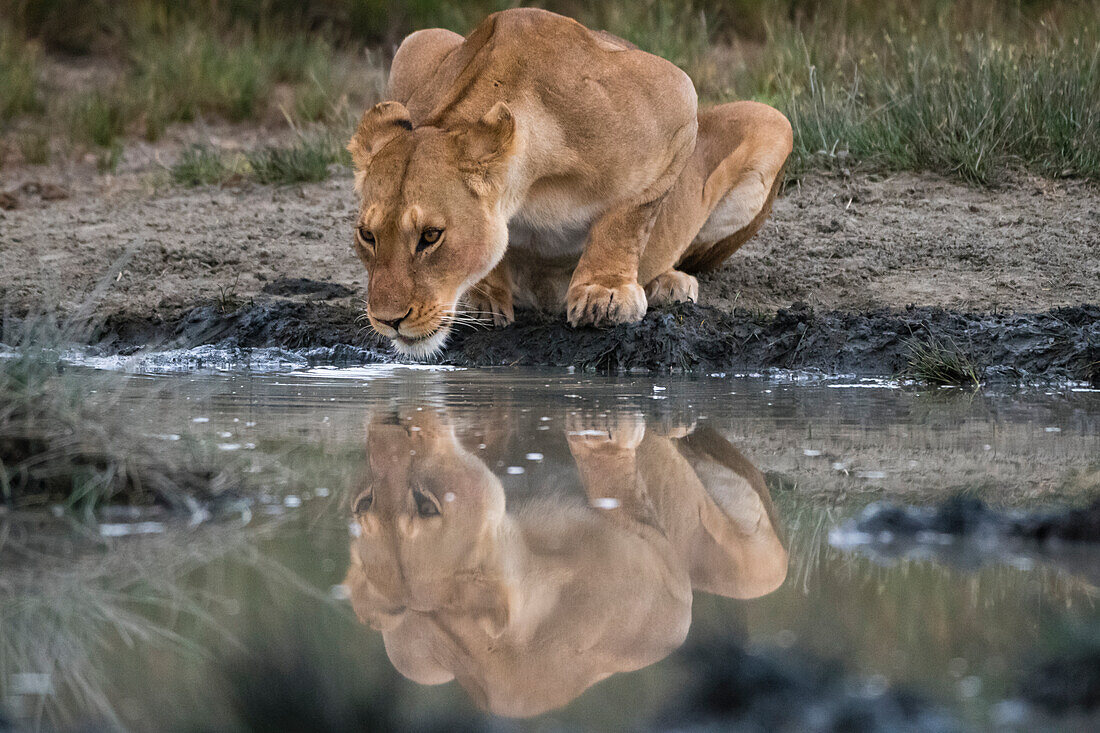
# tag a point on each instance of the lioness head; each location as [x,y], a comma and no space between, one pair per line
[430,222]
[428,513]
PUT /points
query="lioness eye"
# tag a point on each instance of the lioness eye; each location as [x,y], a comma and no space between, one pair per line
[363,502]
[425,506]
[366,236]
[428,237]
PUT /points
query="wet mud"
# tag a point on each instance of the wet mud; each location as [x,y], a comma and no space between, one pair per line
[963,517]
[1061,343]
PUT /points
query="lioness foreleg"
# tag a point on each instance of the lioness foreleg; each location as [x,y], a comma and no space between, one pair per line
[604,287]
[605,451]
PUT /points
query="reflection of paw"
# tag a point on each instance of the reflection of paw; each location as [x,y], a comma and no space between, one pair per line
[491,304]
[621,430]
[670,428]
[589,302]
[672,287]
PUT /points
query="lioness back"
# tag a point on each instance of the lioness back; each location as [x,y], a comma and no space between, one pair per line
[580,91]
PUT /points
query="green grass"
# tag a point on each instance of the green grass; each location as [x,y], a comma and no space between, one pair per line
[975,90]
[974,109]
[933,363]
[98,118]
[308,159]
[18,75]
[201,166]
[34,146]
[191,72]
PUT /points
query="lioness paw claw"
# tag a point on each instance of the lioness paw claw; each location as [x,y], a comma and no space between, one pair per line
[498,311]
[589,303]
[672,287]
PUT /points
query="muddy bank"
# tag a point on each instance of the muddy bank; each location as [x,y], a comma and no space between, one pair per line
[877,259]
[1056,344]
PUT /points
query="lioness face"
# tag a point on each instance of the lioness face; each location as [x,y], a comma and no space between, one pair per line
[430,224]
[427,513]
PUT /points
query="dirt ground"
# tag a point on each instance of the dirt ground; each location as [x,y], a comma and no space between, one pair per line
[849,244]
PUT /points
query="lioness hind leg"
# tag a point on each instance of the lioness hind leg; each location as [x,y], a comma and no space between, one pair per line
[744,185]
[724,194]
[672,286]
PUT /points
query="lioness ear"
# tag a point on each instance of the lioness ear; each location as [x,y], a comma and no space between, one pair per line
[378,125]
[489,139]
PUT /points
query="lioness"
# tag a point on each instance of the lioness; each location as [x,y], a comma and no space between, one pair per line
[536,162]
[527,606]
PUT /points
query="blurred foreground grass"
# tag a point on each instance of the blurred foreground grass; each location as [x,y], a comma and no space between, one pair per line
[972,90]
[65,442]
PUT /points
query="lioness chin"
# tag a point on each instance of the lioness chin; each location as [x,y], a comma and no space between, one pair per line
[538,163]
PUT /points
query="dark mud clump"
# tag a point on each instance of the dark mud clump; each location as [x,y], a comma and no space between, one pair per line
[1064,342]
[730,688]
[969,517]
[1060,343]
[289,324]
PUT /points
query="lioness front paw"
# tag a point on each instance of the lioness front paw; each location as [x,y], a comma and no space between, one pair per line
[672,286]
[615,431]
[597,304]
[488,302]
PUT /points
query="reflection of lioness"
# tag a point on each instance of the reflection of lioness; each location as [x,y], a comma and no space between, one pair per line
[540,163]
[527,609]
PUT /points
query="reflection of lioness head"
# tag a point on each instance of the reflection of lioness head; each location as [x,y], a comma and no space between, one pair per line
[526,609]
[429,224]
[428,514]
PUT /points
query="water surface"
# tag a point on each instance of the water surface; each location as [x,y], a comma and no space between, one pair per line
[545,548]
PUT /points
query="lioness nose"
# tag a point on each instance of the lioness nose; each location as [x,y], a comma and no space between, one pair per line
[394,322]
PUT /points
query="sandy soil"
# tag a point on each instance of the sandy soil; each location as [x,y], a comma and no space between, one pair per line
[837,244]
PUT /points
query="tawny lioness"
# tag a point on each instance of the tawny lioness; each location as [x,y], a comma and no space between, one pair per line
[538,163]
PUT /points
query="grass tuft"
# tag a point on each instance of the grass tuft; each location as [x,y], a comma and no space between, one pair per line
[98,118]
[34,145]
[63,443]
[18,75]
[203,166]
[305,161]
[931,362]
